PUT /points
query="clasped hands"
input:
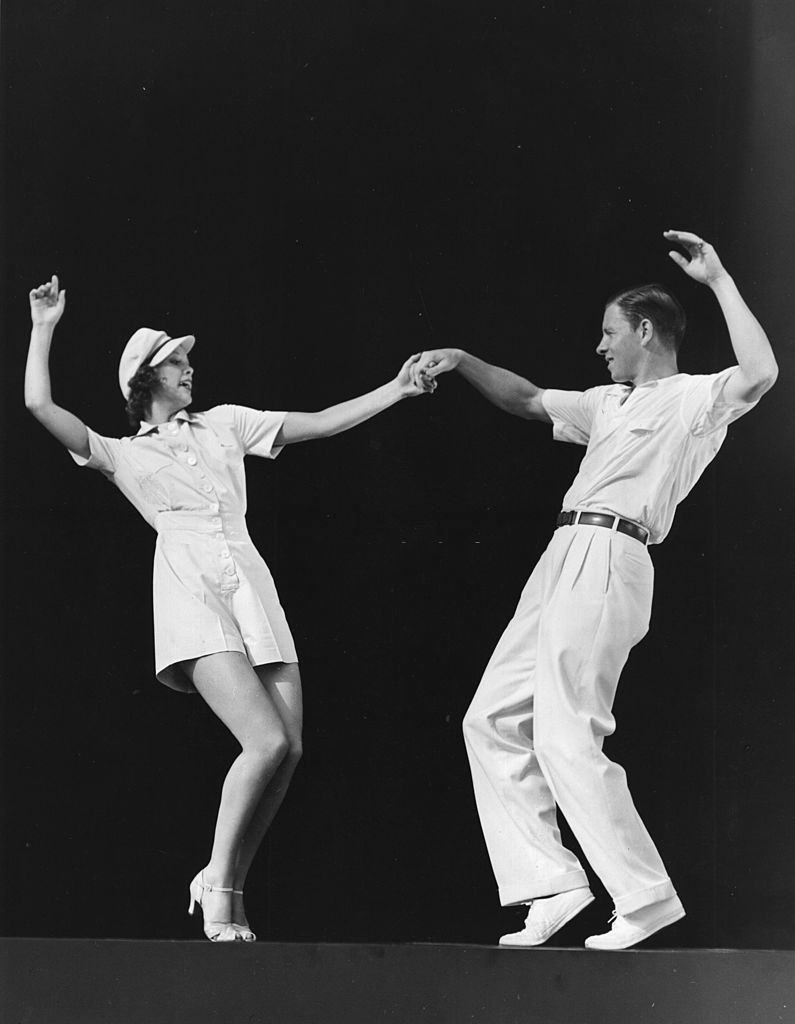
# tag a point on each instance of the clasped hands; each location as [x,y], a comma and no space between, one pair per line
[418,374]
[426,367]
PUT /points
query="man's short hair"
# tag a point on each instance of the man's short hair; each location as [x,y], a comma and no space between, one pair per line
[653,302]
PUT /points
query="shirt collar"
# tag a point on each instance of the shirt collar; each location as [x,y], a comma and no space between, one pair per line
[657,382]
[149,428]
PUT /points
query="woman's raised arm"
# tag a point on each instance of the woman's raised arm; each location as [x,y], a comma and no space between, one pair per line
[47,304]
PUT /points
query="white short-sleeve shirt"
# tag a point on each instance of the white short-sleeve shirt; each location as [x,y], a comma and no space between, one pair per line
[212,591]
[192,463]
[646,446]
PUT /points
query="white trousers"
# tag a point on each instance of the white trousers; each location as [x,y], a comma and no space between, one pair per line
[535,728]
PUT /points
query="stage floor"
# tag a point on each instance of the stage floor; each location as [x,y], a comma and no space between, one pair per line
[113,981]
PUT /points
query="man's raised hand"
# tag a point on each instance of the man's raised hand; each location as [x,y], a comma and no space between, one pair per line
[47,303]
[704,264]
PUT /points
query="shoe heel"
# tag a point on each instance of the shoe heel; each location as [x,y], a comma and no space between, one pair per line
[224,931]
[194,899]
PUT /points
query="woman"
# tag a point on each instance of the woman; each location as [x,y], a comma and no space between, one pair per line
[219,627]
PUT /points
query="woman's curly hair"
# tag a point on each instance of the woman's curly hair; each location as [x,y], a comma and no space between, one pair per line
[141,384]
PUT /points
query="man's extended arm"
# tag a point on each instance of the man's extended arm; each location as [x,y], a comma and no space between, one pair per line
[756,365]
[506,390]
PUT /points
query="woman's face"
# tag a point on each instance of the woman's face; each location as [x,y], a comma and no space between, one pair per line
[175,380]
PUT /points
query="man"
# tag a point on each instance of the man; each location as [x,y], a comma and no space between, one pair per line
[535,729]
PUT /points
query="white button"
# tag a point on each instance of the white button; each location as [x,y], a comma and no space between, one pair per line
[218,536]
[230,570]
[216,522]
[207,487]
[225,553]
[184,447]
[191,460]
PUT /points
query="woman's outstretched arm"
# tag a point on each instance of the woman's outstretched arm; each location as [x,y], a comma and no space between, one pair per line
[47,304]
[305,426]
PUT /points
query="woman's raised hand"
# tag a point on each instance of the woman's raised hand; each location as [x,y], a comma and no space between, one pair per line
[47,303]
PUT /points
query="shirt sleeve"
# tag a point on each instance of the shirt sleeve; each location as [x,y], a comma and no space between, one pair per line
[572,413]
[705,408]
[103,453]
[257,430]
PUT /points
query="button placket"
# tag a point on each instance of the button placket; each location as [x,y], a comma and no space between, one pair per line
[204,484]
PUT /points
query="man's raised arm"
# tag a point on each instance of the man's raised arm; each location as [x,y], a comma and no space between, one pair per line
[506,390]
[756,365]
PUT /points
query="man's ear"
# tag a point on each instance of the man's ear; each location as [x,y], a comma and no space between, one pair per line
[645,331]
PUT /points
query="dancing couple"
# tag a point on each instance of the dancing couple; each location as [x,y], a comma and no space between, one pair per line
[535,729]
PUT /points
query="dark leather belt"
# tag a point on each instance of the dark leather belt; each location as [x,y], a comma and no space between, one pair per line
[600,519]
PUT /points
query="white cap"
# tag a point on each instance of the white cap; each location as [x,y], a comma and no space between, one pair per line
[147,346]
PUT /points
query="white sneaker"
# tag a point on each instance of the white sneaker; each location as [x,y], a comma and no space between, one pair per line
[625,933]
[547,915]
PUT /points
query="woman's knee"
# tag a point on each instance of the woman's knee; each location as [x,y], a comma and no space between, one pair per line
[268,745]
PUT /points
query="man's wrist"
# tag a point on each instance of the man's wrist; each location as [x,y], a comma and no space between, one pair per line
[723,281]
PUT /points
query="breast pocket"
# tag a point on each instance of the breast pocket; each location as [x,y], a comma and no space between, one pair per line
[152,474]
[644,427]
[223,446]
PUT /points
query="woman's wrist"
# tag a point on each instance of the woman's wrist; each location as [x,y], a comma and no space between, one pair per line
[397,390]
[41,330]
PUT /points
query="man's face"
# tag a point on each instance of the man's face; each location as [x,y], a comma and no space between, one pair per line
[175,377]
[620,345]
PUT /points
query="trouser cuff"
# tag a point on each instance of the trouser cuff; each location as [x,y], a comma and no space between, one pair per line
[644,897]
[533,889]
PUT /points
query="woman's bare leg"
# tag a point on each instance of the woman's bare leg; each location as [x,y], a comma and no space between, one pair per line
[283,685]
[235,693]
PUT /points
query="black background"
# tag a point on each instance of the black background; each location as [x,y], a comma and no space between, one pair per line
[316,190]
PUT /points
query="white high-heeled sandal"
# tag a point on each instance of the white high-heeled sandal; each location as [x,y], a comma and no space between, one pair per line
[216,931]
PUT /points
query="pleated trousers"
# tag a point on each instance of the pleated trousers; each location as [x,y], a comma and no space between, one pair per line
[536,726]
